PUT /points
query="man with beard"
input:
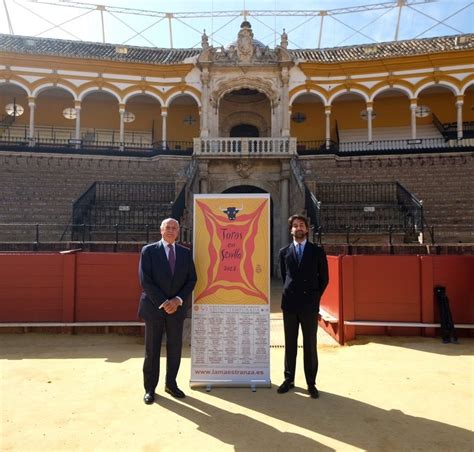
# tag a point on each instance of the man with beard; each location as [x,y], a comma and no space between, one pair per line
[304,271]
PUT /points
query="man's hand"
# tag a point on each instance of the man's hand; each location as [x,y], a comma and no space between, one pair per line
[172,305]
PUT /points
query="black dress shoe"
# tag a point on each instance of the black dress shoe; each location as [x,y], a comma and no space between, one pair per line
[313,392]
[149,398]
[285,387]
[175,392]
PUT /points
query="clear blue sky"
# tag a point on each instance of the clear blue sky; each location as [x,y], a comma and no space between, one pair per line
[378,25]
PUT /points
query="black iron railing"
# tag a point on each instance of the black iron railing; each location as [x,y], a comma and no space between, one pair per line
[438,124]
[360,193]
[315,146]
[128,204]
[369,207]
[141,192]
[313,209]
[450,130]
[412,207]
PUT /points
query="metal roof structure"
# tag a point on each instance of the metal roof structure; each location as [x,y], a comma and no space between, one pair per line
[63,19]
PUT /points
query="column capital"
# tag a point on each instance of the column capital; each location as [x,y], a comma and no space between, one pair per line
[77,104]
[327,109]
[31,101]
[413,103]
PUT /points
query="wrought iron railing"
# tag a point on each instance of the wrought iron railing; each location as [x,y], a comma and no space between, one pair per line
[360,218]
[313,209]
[128,204]
[450,130]
[438,124]
[369,207]
[360,193]
[311,204]
[315,146]
[412,207]
[410,145]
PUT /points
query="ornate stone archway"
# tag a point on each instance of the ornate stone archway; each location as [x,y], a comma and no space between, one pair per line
[245,117]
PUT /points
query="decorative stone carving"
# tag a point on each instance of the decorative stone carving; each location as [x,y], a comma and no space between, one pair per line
[284,40]
[245,47]
[246,50]
[204,40]
[243,168]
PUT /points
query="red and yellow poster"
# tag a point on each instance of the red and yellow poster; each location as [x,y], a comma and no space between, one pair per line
[231,305]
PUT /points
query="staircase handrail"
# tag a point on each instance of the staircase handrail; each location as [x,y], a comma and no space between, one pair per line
[438,124]
[412,205]
[312,205]
[179,204]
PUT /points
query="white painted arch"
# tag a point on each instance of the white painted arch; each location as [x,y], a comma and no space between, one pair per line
[183,93]
[305,91]
[39,89]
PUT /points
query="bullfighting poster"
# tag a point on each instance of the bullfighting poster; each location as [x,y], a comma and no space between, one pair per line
[230,342]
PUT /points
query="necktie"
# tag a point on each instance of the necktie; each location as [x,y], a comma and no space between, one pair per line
[171,258]
[299,252]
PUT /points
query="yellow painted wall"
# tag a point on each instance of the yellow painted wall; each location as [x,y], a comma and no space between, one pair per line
[177,129]
[468,106]
[147,117]
[100,114]
[347,114]
[442,105]
[314,127]
[49,111]
[391,112]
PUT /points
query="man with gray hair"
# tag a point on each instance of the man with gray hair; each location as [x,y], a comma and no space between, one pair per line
[167,276]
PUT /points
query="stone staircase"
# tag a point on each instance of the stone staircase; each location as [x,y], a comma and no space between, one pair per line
[41,188]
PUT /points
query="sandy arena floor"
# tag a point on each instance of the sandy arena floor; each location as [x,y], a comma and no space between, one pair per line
[84,392]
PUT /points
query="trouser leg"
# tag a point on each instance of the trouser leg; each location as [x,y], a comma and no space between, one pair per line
[174,345]
[309,327]
[151,365]
[290,325]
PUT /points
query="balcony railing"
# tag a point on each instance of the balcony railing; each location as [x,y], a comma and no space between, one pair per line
[235,147]
[404,145]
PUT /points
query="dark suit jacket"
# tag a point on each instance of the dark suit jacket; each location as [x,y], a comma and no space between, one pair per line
[303,284]
[159,285]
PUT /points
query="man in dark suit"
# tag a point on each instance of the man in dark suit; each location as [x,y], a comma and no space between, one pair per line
[167,276]
[304,270]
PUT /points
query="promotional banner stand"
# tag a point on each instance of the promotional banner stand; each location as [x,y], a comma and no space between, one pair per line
[230,339]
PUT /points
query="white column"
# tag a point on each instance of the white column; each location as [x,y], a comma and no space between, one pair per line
[369,124]
[327,111]
[122,127]
[164,115]
[31,133]
[459,104]
[77,106]
[413,118]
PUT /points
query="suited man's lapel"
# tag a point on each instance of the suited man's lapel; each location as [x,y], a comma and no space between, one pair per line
[292,253]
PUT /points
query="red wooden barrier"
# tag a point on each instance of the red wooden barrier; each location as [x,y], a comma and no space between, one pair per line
[331,301]
[456,273]
[95,287]
[31,287]
[384,288]
[107,287]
